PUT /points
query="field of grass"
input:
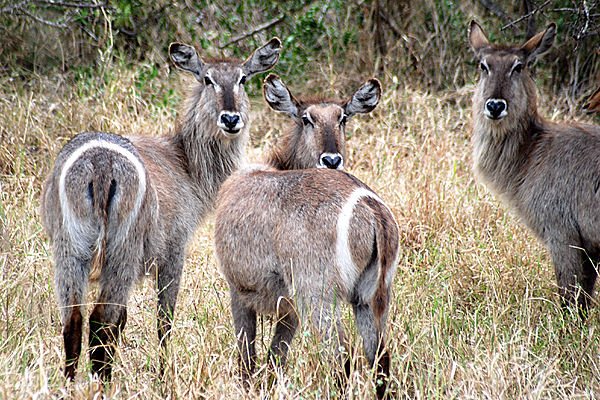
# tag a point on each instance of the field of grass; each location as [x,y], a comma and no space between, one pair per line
[475,312]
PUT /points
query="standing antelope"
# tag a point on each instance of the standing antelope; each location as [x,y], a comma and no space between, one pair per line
[548,173]
[295,242]
[318,136]
[118,208]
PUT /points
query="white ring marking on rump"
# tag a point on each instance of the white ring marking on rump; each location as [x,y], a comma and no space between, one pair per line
[70,221]
[348,270]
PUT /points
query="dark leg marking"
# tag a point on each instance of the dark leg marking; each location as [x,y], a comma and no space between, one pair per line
[72,340]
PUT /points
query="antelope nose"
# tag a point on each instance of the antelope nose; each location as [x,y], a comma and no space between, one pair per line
[230,120]
[495,108]
[332,161]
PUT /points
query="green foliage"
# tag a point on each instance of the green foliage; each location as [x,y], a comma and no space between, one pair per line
[331,43]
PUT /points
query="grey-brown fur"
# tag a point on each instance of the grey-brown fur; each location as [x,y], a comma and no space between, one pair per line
[317,138]
[129,205]
[548,173]
[278,236]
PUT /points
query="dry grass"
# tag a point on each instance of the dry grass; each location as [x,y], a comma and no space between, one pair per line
[475,312]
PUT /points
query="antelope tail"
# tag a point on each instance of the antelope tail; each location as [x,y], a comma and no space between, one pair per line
[102,193]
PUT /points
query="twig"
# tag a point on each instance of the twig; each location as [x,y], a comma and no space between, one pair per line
[259,28]
[573,11]
[589,33]
[385,19]
[529,14]
[75,5]
[587,19]
[44,21]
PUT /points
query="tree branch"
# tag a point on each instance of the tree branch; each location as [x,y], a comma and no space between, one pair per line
[73,5]
[259,28]
[529,14]
[385,19]
[572,10]
[44,21]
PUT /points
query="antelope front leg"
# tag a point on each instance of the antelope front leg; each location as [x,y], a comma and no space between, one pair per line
[244,322]
[323,313]
[284,332]
[167,284]
[575,274]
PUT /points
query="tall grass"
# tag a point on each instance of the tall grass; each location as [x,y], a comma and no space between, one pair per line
[475,312]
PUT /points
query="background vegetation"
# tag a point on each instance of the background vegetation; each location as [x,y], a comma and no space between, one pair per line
[475,313]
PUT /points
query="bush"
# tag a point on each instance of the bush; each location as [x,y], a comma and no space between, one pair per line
[326,42]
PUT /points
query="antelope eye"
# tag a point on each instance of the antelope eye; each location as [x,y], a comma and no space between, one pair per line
[207,81]
[243,80]
[518,68]
[306,121]
[483,67]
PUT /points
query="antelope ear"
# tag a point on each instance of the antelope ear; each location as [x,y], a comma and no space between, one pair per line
[364,99]
[279,97]
[539,44]
[593,103]
[186,58]
[264,58]
[477,38]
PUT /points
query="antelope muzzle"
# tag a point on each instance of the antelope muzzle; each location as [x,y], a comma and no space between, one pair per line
[495,108]
[230,122]
[331,161]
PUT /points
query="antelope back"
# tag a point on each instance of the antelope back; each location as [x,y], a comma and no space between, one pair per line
[221,94]
[318,137]
[505,95]
[98,183]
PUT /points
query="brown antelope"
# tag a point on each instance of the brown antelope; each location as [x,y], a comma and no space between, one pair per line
[548,173]
[294,243]
[318,137]
[118,208]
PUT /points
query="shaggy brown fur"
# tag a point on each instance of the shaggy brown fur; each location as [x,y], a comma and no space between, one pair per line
[548,173]
[295,243]
[131,204]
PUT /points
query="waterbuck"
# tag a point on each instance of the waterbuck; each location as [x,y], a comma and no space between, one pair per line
[118,208]
[593,103]
[548,173]
[318,137]
[297,243]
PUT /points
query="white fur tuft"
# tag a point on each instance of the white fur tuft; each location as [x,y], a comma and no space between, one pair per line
[74,225]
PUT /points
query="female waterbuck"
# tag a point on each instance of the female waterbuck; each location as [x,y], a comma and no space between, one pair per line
[294,243]
[548,173]
[318,137]
[118,208]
